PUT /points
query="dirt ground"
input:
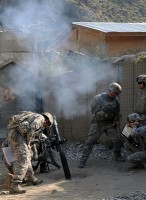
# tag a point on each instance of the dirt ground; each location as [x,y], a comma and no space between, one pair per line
[98,180]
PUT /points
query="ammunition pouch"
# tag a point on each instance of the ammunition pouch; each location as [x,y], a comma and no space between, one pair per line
[102,116]
[14,130]
[23,127]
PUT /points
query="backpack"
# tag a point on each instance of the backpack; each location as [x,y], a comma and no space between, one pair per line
[20,120]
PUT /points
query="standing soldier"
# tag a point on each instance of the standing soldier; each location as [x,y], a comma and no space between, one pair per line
[22,128]
[106,110]
[140,107]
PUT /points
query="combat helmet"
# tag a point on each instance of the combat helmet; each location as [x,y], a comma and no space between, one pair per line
[115,88]
[133,117]
[49,116]
[141,78]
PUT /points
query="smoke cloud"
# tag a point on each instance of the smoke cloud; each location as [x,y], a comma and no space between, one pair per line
[43,24]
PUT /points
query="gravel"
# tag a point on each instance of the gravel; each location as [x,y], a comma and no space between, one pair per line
[132,196]
[74,151]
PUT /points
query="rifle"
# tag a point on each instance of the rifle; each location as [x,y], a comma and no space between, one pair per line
[131,141]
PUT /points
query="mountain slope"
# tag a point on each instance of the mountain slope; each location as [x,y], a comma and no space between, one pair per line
[87,10]
[109,10]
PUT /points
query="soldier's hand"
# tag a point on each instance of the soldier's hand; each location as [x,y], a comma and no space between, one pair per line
[29,147]
[130,139]
[132,135]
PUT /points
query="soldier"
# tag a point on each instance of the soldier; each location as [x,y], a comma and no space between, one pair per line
[140,107]
[21,129]
[135,145]
[106,110]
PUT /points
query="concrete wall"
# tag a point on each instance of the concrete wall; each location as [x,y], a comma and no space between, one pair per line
[10,42]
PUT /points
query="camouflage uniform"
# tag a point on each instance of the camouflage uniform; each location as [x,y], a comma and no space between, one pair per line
[137,156]
[141,105]
[19,137]
[106,119]
[10,165]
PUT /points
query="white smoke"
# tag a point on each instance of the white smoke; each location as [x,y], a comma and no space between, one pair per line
[46,21]
[72,90]
[38,24]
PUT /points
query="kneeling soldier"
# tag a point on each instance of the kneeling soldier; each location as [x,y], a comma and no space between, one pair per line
[135,144]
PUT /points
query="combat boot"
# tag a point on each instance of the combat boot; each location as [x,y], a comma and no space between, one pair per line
[34,180]
[16,188]
[25,181]
[119,159]
[7,184]
[44,168]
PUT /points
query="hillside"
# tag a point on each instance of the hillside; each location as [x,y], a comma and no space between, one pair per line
[89,10]
[109,10]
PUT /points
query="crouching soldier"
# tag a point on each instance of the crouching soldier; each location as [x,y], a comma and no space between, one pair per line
[21,129]
[135,143]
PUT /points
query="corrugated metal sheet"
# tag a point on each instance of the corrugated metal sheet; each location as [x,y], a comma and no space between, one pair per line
[108,27]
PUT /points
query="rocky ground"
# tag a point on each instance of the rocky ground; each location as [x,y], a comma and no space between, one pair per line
[101,179]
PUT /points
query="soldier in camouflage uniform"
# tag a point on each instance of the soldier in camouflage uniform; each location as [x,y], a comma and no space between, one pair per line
[106,110]
[140,107]
[136,145]
[22,128]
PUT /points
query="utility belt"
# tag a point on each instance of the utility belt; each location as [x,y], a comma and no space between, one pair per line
[102,121]
[107,118]
[103,117]
[105,122]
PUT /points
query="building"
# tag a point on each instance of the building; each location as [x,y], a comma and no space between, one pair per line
[107,39]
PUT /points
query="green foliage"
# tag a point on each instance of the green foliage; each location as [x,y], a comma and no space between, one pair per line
[140,58]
